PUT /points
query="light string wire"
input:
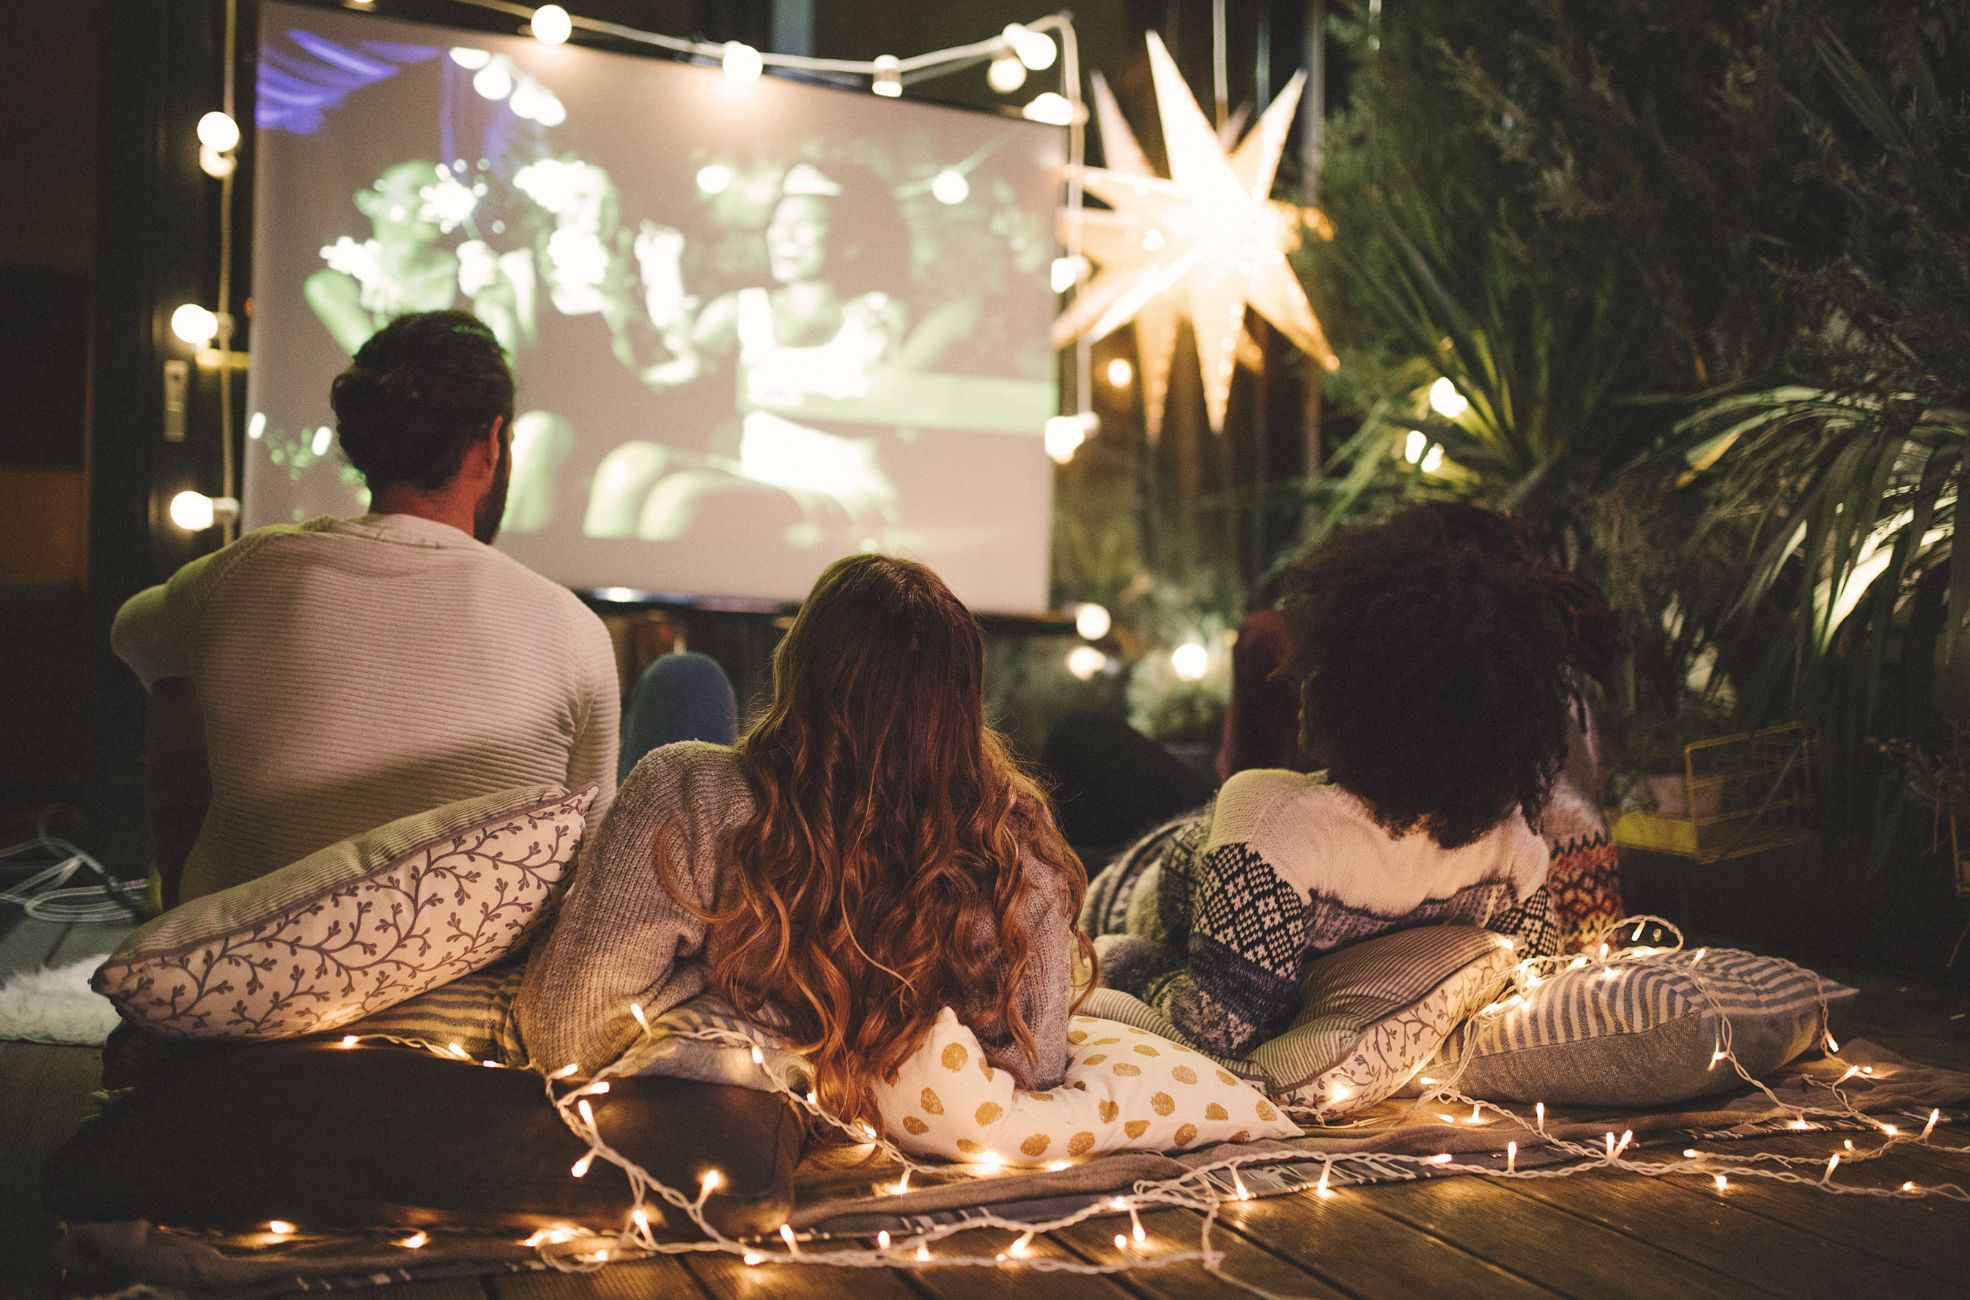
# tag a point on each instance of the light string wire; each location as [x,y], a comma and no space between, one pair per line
[1207,1188]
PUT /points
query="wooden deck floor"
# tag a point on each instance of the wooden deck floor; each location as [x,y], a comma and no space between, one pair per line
[1591,1235]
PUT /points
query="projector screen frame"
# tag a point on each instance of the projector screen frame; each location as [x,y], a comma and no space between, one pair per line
[472,21]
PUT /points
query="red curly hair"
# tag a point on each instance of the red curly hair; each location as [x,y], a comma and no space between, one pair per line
[884,875]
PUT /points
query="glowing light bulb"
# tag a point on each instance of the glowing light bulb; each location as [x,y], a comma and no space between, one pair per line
[742,63]
[1722,1182]
[1035,50]
[1092,621]
[470,59]
[714,178]
[1908,1187]
[1120,372]
[1415,445]
[888,80]
[1339,1093]
[1022,1247]
[1442,1158]
[753,1258]
[193,511]
[1239,1184]
[882,1240]
[923,1253]
[950,187]
[786,1235]
[1065,271]
[1433,459]
[1049,108]
[218,132]
[215,164]
[571,1068]
[712,1181]
[580,1167]
[1006,74]
[1446,401]
[280,1227]
[1084,661]
[1190,661]
[1511,1157]
[350,1040]
[1065,434]
[416,1240]
[551,25]
[194,324]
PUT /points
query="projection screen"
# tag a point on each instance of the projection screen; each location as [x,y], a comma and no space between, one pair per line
[754,326]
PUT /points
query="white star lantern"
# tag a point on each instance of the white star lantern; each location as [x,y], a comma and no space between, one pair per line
[1204,243]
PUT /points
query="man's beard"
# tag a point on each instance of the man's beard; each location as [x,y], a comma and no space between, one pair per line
[491,509]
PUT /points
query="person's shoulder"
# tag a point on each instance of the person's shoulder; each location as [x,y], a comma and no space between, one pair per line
[688,772]
[263,545]
[1257,790]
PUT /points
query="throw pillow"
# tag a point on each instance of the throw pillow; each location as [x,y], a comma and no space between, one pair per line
[1126,1089]
[1370,1015]
[1646,1036]
[356,927]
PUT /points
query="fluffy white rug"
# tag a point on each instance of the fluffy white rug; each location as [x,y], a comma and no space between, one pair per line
[56,1005]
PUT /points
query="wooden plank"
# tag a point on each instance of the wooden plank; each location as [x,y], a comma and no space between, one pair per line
[728,1275]
[972,1283]
[1706,1227]
[1345,1239]
[46,1095]
[1517,1234]
[437,1288]
[665,1276]
[1926,1233]
[1093,1239]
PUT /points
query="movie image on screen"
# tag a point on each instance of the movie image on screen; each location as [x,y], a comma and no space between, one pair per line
[754,326]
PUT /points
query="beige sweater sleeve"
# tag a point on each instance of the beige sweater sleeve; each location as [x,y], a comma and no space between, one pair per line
[621,936]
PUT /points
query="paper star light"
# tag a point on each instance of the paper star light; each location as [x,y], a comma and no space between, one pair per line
[1205,243]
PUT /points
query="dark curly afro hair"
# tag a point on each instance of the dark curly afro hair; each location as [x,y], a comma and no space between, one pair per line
[418,394]
[1431,671]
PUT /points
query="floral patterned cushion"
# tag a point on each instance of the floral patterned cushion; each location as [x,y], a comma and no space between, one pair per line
[1126,1089]
[356,927]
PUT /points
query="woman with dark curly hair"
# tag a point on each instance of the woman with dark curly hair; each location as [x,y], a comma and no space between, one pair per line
[1431,677]
[866,855]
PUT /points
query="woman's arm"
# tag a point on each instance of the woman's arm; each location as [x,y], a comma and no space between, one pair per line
[1046,995]
[619,934]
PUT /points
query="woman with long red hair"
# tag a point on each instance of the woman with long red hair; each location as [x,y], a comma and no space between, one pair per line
[867,854]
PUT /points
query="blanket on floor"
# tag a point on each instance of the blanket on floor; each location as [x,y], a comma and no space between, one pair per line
[838,1200]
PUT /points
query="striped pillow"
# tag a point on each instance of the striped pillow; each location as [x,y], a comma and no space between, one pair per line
[1647,1036]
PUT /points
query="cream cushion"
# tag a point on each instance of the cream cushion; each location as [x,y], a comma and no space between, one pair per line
[354,928]
[1126,1089]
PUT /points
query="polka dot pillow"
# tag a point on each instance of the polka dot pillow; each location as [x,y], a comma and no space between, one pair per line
[1126,1089]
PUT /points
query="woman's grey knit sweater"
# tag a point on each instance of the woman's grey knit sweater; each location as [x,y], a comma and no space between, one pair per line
[621,937]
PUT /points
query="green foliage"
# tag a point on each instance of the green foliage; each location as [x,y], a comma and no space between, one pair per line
[1700,272]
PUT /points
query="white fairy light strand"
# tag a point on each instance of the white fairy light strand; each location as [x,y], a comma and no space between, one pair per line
[1207,1188]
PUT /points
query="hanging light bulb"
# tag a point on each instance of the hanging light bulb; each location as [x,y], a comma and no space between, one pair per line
[1049,108]
[1065,271]
[551,25]
[1034,50]
[195,512]
[194,324]
[714,178]
[1092,621]
[1120,372]
[1066,433]
[217,131]
[888,80]
[215,164]
[1415,445]
[742,62]
[1005,74]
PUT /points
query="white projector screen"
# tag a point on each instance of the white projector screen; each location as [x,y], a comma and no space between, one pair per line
[754,326]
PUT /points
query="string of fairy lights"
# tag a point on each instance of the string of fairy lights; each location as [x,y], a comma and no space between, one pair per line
[1213,1187]
[1019,49]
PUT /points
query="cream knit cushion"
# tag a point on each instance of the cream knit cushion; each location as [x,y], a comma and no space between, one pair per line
[355,928]
[1126,1089]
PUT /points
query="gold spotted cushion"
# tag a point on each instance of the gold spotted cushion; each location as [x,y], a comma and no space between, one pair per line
[1126,1089]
